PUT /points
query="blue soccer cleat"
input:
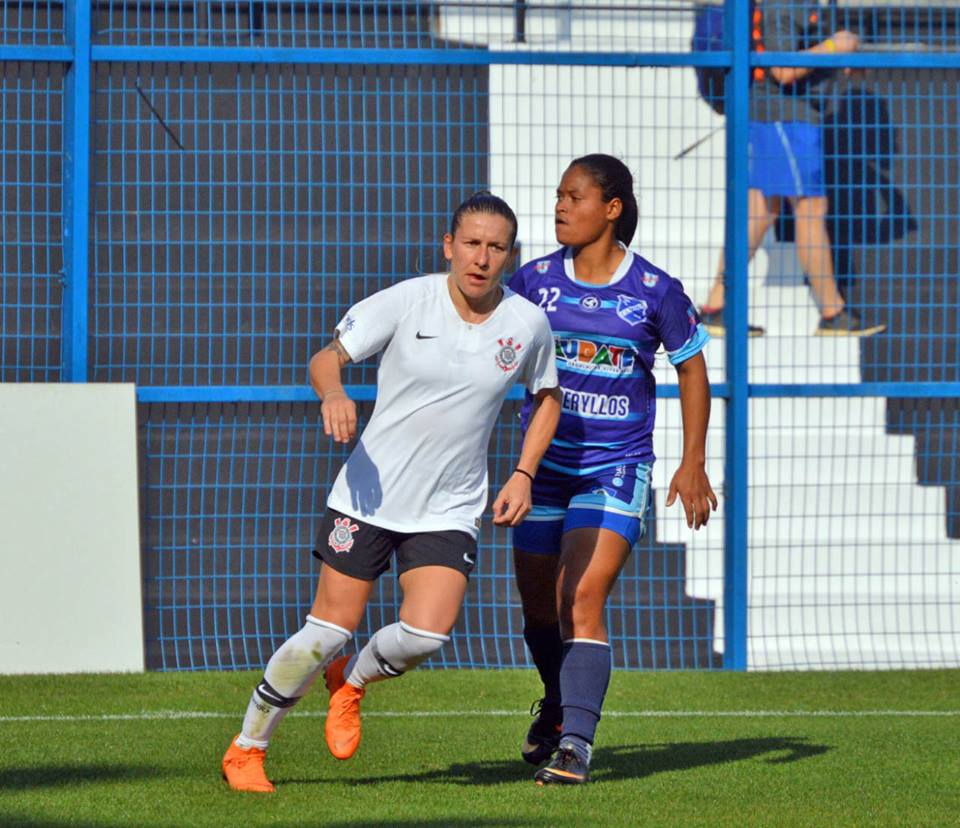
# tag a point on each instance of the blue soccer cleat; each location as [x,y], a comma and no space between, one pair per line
[543,735]
[566,768]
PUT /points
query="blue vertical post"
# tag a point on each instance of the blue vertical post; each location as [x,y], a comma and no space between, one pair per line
[737,89]
[76,193]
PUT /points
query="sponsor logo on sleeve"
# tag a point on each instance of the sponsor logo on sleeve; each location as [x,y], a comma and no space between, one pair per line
[631,310]
[542,266]
[508,357]
[341,538]
[650,279]
[348,323]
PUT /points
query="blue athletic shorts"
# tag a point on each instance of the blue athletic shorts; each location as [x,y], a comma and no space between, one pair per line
[615,498]
[786,158]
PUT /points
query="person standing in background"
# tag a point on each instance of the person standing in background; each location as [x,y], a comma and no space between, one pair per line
[786,160]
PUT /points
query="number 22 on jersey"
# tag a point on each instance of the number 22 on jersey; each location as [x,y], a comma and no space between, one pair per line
[548,298]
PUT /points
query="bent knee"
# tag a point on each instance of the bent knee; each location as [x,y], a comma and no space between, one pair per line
[581,607]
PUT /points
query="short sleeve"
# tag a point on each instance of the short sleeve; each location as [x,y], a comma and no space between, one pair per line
[518,282]
[370,324]
[540,367]
[679,326]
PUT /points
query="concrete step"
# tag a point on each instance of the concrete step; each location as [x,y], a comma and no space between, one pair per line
[863,623]
[888,565]
[793,532]
[849,649]
[869,470]
[783,360]
[839,417]
[840,473]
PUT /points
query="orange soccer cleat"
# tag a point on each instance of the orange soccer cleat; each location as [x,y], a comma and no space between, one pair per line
[343,718]
[243,769]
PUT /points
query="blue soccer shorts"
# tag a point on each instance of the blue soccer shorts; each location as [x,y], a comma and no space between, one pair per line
[786,159]
[614,498]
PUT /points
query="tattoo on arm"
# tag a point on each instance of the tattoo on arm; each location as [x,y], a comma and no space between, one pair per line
[341,352]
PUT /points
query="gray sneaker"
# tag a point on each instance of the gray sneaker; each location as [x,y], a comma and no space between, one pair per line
[846,323]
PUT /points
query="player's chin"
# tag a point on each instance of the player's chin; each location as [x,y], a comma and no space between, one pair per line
[567,236]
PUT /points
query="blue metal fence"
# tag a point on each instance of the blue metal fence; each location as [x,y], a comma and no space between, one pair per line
[226,179]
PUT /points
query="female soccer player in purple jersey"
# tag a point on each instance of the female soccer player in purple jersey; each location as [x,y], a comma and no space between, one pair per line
[415,485]
[610,310]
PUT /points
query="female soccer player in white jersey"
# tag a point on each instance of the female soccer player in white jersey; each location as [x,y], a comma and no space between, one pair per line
[416,482]
[610,310]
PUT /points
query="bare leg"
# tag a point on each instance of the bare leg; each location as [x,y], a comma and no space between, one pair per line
[340,599]
[590,562]
[432,597]
[813,251]
[763,213]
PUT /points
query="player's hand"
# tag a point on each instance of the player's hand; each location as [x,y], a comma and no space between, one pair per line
[514,502]
[691,485]
[845,41]
[339,416]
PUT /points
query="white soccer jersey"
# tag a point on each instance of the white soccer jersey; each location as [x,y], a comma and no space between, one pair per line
[421,463]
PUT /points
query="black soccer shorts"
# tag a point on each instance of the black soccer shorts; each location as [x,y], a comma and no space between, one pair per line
[362,550]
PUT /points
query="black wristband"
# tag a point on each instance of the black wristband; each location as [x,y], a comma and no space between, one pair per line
[521,471]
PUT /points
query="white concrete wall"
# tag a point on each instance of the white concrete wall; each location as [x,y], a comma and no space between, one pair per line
[69,529]
[849,561]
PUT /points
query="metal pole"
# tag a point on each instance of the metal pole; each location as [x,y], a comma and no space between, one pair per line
[737,90]
[76,193]
[520,22]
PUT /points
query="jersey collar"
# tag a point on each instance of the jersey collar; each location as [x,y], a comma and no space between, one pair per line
[618,274]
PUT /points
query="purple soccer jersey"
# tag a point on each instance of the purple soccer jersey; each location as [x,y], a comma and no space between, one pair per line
[605,338]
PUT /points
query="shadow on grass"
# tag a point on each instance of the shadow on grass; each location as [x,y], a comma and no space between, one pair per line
[60,776]
[15,820]
[609,763]
[430,823]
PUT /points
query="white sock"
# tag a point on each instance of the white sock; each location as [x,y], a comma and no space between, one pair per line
[392,651]
[289,674]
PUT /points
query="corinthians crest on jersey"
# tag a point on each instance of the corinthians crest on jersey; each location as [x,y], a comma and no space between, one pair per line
[508,357]
[341,538]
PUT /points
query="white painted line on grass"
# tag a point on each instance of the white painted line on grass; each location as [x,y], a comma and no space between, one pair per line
[172,715]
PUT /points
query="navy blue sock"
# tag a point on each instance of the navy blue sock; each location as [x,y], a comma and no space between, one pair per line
[584,677]
[546,647]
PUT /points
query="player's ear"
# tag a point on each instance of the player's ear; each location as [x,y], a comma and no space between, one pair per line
[614,209]
[512,257]
[447,246]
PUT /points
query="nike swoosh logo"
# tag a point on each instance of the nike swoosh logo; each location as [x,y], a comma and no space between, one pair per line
[421,336]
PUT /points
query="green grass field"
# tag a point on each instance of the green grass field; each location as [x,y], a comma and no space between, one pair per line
[440,748]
